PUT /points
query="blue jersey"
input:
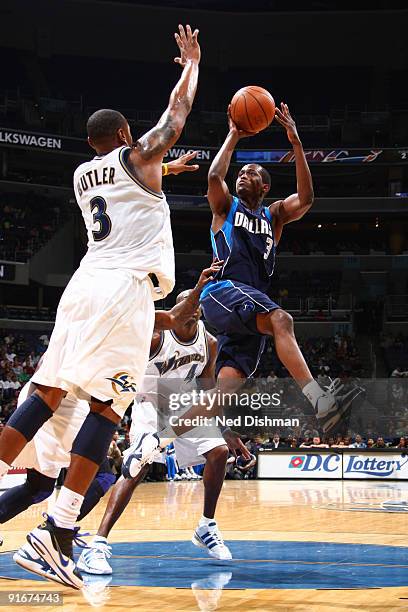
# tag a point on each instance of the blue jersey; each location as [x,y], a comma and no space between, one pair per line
[246,244]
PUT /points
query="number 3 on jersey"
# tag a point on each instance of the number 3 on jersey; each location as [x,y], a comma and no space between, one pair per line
[269,245]
[98,210]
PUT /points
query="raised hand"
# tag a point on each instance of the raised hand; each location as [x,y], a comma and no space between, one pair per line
[177,166]
[187,42]
[234,443]
[234,129]
[208,274]
[286,120]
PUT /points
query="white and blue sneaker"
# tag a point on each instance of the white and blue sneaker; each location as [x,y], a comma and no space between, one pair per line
[94,559]
[332,406]
[210,538]
[54,546]
[143,451]
[27,558]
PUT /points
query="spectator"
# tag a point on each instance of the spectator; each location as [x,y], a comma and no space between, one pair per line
[358,442]
[275,443]
[380,443]
[317,443]
[114,454]
[370,443]
[402,443]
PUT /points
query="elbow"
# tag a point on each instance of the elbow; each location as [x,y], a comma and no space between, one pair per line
[213,176]
[308,200]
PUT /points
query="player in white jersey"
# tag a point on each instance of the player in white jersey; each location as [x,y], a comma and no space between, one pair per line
[49,451]
[100,344]
[185,355]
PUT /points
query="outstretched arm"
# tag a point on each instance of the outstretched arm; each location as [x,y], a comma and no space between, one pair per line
[218,194]
[158,140]
[166,319]
[296,205]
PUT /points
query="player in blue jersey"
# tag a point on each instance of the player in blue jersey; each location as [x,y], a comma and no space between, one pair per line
[244,234]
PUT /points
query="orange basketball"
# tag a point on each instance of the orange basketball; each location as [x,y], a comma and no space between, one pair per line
[252,108]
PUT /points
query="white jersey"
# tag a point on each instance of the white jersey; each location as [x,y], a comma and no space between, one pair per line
[180,362]
[173,358]
[128,224]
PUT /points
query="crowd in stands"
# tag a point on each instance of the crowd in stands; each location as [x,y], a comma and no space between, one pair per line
[395,353]
[27,222]
[20,352]
[331,356]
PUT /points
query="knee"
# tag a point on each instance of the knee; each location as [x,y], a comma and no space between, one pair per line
[39,486]
[282,322]
[218,456]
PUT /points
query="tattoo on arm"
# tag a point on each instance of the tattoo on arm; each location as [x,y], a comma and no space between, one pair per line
[159,139]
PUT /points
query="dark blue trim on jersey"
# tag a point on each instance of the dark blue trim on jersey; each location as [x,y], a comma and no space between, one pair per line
[226,231]
[123,155]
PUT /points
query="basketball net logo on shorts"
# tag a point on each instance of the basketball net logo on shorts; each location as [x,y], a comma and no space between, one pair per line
[122,382]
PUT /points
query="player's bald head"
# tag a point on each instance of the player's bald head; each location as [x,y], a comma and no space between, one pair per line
[183,295]
[104,124]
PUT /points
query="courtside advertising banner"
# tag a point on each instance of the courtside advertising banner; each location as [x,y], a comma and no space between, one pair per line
[326,464]
[299,465]
[375,465]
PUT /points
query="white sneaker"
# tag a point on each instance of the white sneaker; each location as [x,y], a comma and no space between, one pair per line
[210,538]
[177,477]
[331,407]
[94,560]
[54,547]
[143,451]
[29,559]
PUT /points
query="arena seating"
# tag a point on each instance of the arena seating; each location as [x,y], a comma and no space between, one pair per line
[28,220]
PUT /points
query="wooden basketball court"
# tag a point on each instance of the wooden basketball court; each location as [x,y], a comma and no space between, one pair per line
[297,545]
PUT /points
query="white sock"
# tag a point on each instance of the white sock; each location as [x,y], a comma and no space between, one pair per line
[67,508]
[313,391]
[206,521]
[4,468]
[322,401]
[99,538]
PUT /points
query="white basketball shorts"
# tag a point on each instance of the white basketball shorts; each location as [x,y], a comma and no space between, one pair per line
[50,449]
[189,451]
[101,340]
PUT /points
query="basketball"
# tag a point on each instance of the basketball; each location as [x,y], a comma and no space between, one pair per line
[252,108]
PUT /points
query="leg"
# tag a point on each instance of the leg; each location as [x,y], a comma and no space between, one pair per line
[207,534]
[279,324]
[119,499]
[94,560]
[26,421]
[53,539]
[17,499]
[329,405]
[213,478]
[100,485]
[85,463]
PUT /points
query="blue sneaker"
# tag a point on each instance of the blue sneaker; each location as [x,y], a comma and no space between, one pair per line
[210,538]
[54,546]
[27,558]
[141,452]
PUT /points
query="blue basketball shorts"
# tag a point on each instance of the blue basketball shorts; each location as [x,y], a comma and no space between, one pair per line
[231,308]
